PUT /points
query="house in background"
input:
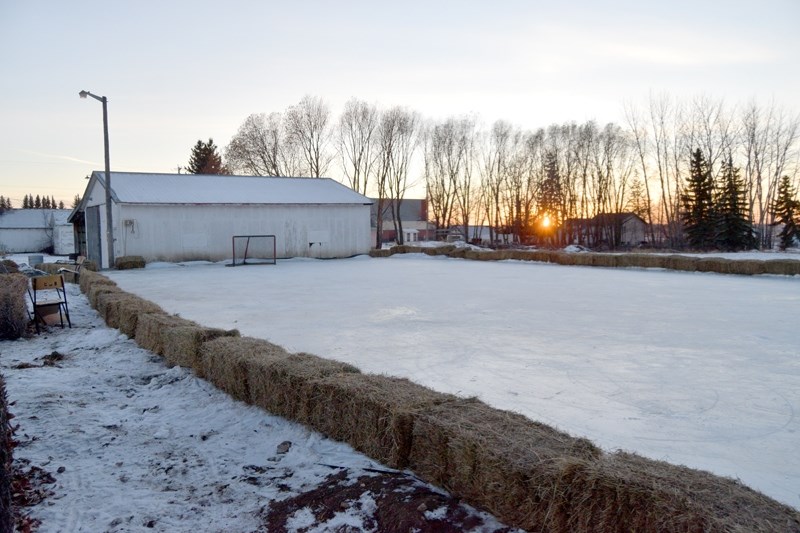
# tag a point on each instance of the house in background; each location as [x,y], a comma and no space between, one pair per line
[36,230]
[182,217]
[607,230]
[413,218]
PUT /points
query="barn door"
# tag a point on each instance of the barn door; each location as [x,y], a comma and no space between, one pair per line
[93,234]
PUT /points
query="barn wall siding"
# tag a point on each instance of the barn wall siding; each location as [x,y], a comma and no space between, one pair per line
[194,232]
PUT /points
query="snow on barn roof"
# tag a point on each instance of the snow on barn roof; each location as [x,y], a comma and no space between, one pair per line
[33,218]
[144,188]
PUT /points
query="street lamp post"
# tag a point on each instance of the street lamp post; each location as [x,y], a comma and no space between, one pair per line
[109,226]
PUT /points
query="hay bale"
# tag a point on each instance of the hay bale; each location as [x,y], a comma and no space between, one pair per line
[89,278]
[7,266]
[13,307]
[129,262]
[624,492]
[605,260]
[372,413]
[130,309]
[380,253]
[282,385]
[108,305]
[182,344]
[747,267]
[681,262]
[439,250]
[228,362]
[97,289]
[782,267]
[514,467]
[714,264]
[151,328]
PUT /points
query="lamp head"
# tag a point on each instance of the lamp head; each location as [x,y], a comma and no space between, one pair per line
[83,94]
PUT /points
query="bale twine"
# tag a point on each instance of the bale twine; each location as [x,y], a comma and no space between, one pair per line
[782,267]
[498,460]
[182,344]
[229,362]
[372,413]
[150,329]
[624,492]
[281,385]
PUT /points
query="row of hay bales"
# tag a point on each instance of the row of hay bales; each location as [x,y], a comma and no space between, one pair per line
[748,267]
[527,474]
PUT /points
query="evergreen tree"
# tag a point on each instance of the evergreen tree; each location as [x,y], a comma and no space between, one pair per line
[205,159]
[37,203]
[61,204]
[76,200]
[45,202]
[53,203]
[786,209]
[2,204]
[698,204]
[734,231]
[26,203]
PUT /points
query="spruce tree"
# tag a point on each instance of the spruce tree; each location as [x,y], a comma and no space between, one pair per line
[26,204]
[205,159]
[61,204]
[698,204]
[76,200]
[786,209]
[734,231]
[37,202]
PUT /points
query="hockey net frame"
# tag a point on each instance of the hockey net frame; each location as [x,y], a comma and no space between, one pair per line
[244,251]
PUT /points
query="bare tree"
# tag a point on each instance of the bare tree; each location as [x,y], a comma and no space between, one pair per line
[356,130]
[307,127]
[261,148]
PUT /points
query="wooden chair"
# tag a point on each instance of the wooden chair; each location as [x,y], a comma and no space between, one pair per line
[48,297]
[75,270]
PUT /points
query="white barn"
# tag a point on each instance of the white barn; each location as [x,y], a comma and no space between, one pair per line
[182,217]
[36,230]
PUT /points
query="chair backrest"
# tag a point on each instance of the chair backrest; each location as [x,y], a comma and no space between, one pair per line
[43,283]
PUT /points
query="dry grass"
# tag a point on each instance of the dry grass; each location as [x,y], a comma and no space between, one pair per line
[372,413]
[13,307]
[151,330]
[229,362]
[182,344]
[282,385]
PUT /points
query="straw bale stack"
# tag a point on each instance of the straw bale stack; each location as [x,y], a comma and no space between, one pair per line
[108,305]
[282,385]
[229,362]
[372,413]
[380,253]
[502,461]
[96,289]
[681,262]
[89,278]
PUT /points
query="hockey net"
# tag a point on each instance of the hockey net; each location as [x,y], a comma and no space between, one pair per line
[253,250]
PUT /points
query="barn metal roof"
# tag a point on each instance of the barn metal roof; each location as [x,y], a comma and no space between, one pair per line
[144,188]
[33,218]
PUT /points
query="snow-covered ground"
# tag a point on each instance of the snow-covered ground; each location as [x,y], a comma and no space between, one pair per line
[134,445]
[697,369]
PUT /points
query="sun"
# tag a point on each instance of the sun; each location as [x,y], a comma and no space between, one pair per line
[546,221]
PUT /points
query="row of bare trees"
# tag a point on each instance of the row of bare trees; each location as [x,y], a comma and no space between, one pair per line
[529,184]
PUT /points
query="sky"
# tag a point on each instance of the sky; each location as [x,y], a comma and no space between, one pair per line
[176,72]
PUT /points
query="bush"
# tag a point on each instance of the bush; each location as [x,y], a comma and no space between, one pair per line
[6,447]
[13,309]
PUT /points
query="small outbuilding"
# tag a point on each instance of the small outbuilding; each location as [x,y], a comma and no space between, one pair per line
[36,230]
[183,217]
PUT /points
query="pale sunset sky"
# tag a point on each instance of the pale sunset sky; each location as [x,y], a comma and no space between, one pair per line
[178,71]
